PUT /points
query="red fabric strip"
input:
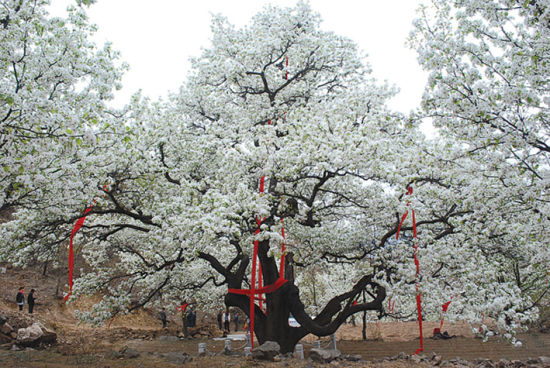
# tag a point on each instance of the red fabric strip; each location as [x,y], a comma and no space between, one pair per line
[417,265]
[76,227]
[182,308]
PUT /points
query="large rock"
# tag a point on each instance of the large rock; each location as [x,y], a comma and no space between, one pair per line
[267,351]
[545,361]
[29,336]
[323,356]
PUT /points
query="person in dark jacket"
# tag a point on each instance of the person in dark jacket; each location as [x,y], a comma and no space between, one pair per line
[30,301]
[163,317]
[20,298]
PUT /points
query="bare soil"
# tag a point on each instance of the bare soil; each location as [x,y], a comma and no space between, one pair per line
[80,345]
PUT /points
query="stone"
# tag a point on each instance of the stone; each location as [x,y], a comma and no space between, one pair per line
[532,361]
[3,319]
[5,339]
[167,338]
[323,356]
[544,361]
[267,351]
[129,353]
[29,336]
[176,357]
[436,359]
[402,356]
[484,363]
[502,363]
[352,358]
[6,329]
[49,338]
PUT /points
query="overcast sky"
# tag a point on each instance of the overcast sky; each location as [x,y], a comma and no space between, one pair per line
[156,38]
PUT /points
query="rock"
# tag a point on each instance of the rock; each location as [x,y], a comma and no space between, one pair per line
[167,338]
[128,353]
[14,347]
[266,351]
[323,356]
[5,339]
[3,319]
[49,338]
[484,363]
[29,336]
[502,363]
[544,361]
[532,361]
[176,357]
[435,359]
[6,329]
[402,356]
[351,358]
[517,364]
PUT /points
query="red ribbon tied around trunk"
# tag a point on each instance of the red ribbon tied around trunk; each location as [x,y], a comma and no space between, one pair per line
[417,264]
[255,293]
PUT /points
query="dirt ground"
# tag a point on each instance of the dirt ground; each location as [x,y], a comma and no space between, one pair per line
[80,345]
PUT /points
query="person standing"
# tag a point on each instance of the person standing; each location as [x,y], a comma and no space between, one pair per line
[226,320]
[220,315]
[163,317]
[20,298]
[30,301]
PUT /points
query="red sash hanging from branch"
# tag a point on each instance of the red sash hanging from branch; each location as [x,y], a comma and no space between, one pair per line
[78,224]
[444,307]
[417,264]
[182,308]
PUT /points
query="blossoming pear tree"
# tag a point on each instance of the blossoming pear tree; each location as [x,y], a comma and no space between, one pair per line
[488,92]
[178,205]
[54,83]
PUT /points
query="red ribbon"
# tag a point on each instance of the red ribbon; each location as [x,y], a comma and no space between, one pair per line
[182,308]
[391,306]
[444,307]
[76,227]
[417,264]
[254,293]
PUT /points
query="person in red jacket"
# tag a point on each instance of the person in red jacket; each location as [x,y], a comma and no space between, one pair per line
[20,298]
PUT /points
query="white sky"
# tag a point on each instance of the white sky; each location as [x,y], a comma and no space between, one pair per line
[156,38]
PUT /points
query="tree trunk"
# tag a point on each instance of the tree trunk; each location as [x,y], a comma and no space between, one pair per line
[364,331]
[271,324]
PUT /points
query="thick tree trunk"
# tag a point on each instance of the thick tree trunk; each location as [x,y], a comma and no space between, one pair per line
[271,324]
